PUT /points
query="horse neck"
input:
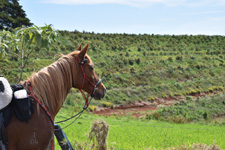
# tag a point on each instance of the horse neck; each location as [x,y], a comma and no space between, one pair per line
[52,84]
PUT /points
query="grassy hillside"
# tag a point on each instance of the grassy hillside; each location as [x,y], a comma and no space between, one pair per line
[204,109]
[139,67]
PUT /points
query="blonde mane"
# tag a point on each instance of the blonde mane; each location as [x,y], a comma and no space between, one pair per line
[52,83]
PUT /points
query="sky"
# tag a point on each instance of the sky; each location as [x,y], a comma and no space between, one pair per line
[173,17]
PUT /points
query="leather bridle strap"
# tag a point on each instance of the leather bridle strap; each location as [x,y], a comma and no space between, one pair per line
[96,85]
[39,102]
[87,101]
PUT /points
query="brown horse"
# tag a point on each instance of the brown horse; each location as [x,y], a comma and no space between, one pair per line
[50,86]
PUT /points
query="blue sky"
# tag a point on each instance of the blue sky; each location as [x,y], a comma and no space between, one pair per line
[130,16]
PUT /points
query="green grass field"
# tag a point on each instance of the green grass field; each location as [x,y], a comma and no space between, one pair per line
[128,133]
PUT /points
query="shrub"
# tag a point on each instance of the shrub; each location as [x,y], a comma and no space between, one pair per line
[92,107]
[179,119]
[164,95]
[131,62]
[98,134]
[139,49]
[171,94]
[170,59]
[156,115]
[188,98]
[151,99]
[177,94]
[191,92]
[138,61]
[132,70]
[205,115]
[106,104]
[180,58]
[215,88]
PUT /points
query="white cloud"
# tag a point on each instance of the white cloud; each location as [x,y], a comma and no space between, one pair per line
[140,3]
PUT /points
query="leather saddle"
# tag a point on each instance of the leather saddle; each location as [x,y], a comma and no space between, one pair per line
[14,100]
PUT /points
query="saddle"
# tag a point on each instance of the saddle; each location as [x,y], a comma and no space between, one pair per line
[14,100]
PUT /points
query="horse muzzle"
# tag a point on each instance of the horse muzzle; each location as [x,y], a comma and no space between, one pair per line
[99,95]
[99,90]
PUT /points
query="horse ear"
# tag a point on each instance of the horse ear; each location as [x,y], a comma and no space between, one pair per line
[80,47]
[83,52]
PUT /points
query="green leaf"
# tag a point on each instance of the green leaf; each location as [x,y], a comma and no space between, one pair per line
[39,31]
[45,43]
[48,32]
[1,55]
[19,32]
[36,27]
[31,35]
[1,50]
[44,27]
[38,39]
[6,46]
[33,40]
[27,38]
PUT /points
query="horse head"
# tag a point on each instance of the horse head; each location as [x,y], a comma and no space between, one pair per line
[87,79]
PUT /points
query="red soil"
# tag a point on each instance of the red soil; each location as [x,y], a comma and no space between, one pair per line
[141,108]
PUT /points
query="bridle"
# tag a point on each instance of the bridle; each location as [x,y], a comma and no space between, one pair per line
[95,86]
[87,100]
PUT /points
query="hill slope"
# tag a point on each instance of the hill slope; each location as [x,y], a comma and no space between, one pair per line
[140,67]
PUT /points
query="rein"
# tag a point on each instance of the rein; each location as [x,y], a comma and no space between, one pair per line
[42,106]
[87,101]
[81,63]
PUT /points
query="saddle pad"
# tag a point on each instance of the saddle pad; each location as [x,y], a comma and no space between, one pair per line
[22,103]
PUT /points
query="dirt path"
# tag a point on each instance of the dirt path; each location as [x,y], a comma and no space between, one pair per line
[142,108]
[136,109]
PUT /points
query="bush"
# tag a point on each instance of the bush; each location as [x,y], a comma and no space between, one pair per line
[179,119]
[156,115]
[138,61]
[151,99]
[98,134]
[92,108]
[106,104]
[131,62]
[170,59]
[188,98]
[180,58]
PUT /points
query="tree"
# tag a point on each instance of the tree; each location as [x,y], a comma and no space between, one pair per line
[12,15]
[10,42]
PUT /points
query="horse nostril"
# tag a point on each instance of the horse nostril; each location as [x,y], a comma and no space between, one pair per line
[99,96]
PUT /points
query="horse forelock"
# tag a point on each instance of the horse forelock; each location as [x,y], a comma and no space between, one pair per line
[52,83]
